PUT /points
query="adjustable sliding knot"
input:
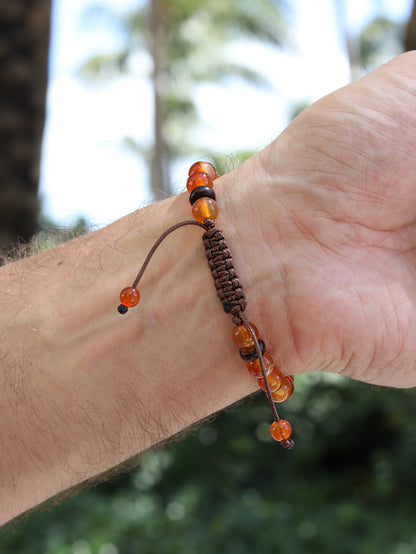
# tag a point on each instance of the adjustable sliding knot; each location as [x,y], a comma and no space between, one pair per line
[220,262]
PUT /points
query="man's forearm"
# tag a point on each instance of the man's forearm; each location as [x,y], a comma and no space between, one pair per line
[83,388]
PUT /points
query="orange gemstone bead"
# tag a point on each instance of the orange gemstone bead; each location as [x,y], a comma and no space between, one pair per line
[199,179]
[242,337]
[255,368]
[204,208]
[274,379]
[129,297]
[285,390]
[280,430]
[203,167]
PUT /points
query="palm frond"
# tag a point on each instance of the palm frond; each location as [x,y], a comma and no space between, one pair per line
[105,65]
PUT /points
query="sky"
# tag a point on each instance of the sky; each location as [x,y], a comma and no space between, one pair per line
[85,170]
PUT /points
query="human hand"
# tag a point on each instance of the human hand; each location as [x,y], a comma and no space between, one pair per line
[337,207]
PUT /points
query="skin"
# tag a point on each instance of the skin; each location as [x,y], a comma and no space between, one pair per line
[322,228]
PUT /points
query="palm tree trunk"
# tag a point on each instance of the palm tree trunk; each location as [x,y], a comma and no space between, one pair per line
[350,45]
[159,177]
[410,36]
[24,44]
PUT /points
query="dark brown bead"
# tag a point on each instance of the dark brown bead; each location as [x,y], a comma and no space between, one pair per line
[252,355]
[200,192]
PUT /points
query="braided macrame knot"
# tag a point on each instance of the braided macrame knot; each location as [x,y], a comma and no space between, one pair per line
[220,261]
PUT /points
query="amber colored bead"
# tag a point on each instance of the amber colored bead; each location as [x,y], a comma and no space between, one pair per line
[280,430]
[203,167]
[255,368]
[204,208]
[129,297]
[242,337]
[285,390]
[274,379]
[199,180]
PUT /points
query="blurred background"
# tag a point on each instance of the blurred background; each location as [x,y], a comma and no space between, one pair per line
[103,106]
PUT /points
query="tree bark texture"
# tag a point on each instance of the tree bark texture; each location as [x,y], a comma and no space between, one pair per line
[24,45]
[410,36]
[159,177]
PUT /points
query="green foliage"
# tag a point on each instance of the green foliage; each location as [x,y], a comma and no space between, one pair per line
[379,41]
[347,486]
[297,108]
[52,235]
[225,164]
[196,34]
[105,65]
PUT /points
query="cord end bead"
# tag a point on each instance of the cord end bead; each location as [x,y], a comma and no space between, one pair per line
[280,430]
[122,309]
[129,297]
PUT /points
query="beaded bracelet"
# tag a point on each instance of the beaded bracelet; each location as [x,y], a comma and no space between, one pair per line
[260,364]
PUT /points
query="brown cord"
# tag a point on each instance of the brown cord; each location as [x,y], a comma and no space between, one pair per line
[157,244]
